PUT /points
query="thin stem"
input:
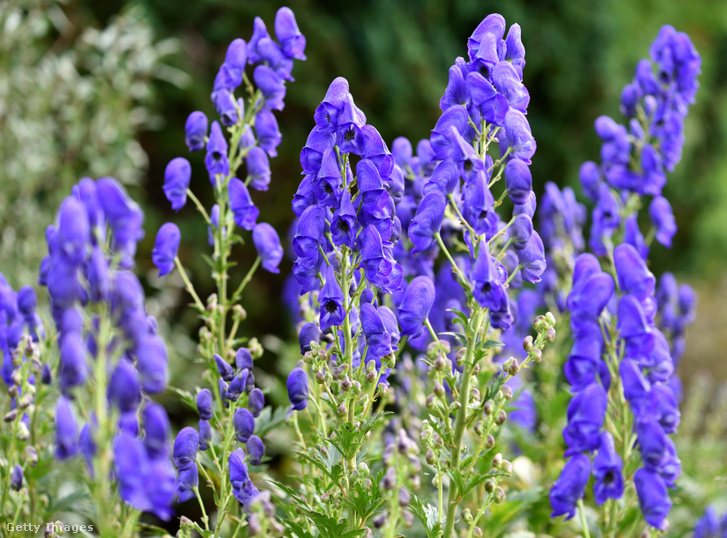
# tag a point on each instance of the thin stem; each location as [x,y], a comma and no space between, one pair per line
[582,514]
[188,284]
[460,423]
[455,267]
[246,280]
[200,207]
[205,519]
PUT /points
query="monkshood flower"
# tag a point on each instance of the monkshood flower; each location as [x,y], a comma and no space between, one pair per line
[570,486]
[298,390]
[195,131]
[653,497]
[267,244]
[66,430]
[242,486]
[415,306]
[165,248]
[176,181]
[607,467]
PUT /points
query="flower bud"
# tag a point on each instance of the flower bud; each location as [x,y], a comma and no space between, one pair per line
[501,417]
[489,407]
[499,494]
[356,387]
[239,313]
[479,427]
[497,461]
[346,384]
[363,469]
[489,486]
[10,416]
[459,357]
[430,457]
[467,515]
[439,389]
[31,455]
[490,442]
[342,411]
[528,343]
[371,376]
[380,520]
[537,355]
[550,335]
[511,366]
[320,377]
[506,467]
[440,364]
[506,392]
[404,497]
[477,532]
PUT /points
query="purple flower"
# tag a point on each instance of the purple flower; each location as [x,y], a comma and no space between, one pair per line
[204,404]
[243,209]
[268,134]
[243,359]
[378,340]
[343,225]
[267,244]
[570,486]
[309,232]
[185,447]
[66,430]
[272,86]
[297,385]
[73,368]
[663,219]
[287,32]
[653,497]
[256,402]
[195,131]
[165,248]
[123,390]
[242,486]
[487,288]
[16,478]
[532,258]
[586,412]
[205,434]
[518,136]
[331,301]
[226,107]
[74,234]
[255,450]
[244,424]
[415,306]
[607,467]
[216,159]
[518,180]
[156,429]
[186,482]
[310,332]
[151,358]
[123,216]
[258,168]
[427,221]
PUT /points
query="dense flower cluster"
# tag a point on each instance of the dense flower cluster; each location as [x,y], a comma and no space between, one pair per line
[98,307]
[614,324]
[635,159]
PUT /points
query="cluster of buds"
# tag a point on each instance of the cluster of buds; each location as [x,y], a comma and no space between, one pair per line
[401,475]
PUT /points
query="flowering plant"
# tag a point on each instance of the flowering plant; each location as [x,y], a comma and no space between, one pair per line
[428,384]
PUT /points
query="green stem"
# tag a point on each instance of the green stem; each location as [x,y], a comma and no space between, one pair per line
[205,519]
[246,280]
[582,514]
[188,284]
[200,207]
[459,428]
